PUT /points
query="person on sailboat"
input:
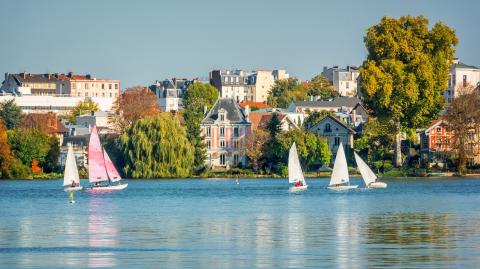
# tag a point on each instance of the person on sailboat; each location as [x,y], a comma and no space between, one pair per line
[73,184]
[298,183]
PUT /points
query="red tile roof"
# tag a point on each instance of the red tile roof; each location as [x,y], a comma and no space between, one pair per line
[251,104]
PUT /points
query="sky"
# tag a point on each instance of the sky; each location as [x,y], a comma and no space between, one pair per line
[139,42]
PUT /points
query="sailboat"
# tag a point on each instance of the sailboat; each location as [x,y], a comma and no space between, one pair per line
[368,175]
[70,174]
[101,171]
[339,179]
[295,173]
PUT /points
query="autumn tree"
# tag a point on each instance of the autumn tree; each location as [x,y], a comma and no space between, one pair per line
[10,114]
[406,70]
[132,105]
[198,99]
[5,153]
[82,108]
[463,117]
[255,148]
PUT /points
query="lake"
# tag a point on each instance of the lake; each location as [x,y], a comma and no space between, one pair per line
[414,223]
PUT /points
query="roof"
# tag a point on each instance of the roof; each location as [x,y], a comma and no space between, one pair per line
[261,119]
[234,112]
[336,102]
[251,104]
[337,121]
[34,78]
[45,122]
[464,66]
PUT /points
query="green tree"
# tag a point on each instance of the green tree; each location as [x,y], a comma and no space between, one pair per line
[50,164]
[406,70]
[29,145]
[10,114]
[376,141]
[274,126]
[284,92]
[82,107]
[198,99]
[315,117]
[156,147]
[320,87]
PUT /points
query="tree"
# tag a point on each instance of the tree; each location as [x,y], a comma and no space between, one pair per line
[82,107]
[156,147]
[406,70]
[463,117]
[50,163]
[320,87]
[198,99]
[5,153]
[29,145]
[377,139]
[315,117]
[132,105]
[284,92]
[274,126]
[10,114]
[255,148]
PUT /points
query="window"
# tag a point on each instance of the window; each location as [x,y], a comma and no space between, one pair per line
[235,132]
[222,132]
[328,128]
[209,144]
[222,144]
[439,129]
[454,79]
[208,132]
[235,159]
[464,80]
[337,141]
[109,86]
[86,86]
[222,159]
[103,94]
[74,86]
[103,86]
[116,86]
[222,117]
[348,85]
[235,144]
[79,94]
[86,94]
[110,94]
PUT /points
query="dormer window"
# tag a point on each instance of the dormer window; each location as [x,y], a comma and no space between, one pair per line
[222,114]
[222,117]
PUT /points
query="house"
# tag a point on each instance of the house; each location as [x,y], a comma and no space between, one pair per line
[242,85]
[225,129]
[99,118]
[170,93]
[296,117]
[461,75]
[339,104]
[260,120]
[335,131]
[435,141]
[345,81]
[90,86]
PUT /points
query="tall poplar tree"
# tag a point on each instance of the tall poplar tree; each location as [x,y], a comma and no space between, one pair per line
[406,70]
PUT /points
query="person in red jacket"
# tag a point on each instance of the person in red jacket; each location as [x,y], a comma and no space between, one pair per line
[74,184]
[298,183]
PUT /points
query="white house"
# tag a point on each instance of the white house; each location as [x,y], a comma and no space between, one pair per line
[461,75]
[344,80]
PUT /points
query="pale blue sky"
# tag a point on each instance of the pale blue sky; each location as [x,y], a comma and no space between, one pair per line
[141,41]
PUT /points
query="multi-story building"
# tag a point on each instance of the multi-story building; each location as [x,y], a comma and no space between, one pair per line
[461,75]
[435,141]
[344,80]
[225,130]
[89,86]
[170,93]
[244,85]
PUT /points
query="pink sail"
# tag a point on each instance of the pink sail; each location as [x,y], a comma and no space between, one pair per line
[112,172]
[96,162]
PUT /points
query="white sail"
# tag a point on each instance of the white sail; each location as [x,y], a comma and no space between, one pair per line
[367,173]
[71,170]
[340,168]
[294,169]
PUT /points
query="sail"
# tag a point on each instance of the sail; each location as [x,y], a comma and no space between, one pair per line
[294,168]
[340,168]
[71,170]
[112,172]
[96,162]
[367,173]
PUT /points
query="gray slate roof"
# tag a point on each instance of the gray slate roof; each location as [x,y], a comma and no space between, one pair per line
[337,102]
[34,78]
[234,111]
[464,66]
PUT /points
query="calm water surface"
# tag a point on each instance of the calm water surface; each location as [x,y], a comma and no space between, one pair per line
[422,223]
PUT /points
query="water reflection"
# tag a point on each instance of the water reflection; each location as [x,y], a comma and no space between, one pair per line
[346,234]
[102,232]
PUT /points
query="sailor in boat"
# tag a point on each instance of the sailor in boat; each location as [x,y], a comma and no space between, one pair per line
[73,184]
[298,183]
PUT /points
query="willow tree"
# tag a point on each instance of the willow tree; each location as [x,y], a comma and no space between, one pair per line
[406,70]
[198,98]
[156,147]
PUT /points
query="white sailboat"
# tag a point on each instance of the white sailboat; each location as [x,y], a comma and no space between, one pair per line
[339,179]
[368,175]
[101,171]
[295,174]
[70,174]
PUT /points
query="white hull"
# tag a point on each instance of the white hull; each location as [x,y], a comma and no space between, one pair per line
[377,185]
[109,188]
[297,189]
[69,189]
[342,188]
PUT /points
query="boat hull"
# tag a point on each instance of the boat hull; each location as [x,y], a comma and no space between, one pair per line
[297,189]
[109,188]
[342,188]
[377,185]
[69,189]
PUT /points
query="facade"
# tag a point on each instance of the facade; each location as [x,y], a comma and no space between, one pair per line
[225,129]
[344,80]
[59,85]
[242,85]
[57,104]
[461,75]
[339,104]
[99,118]
[170,93]
[335,131]
[435,141]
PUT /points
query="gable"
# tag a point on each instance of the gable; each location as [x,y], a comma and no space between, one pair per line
[330,125]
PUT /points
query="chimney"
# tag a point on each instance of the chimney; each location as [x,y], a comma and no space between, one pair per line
[247,113]
[455,61]
[92,113]
[70,74]
[88,76]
